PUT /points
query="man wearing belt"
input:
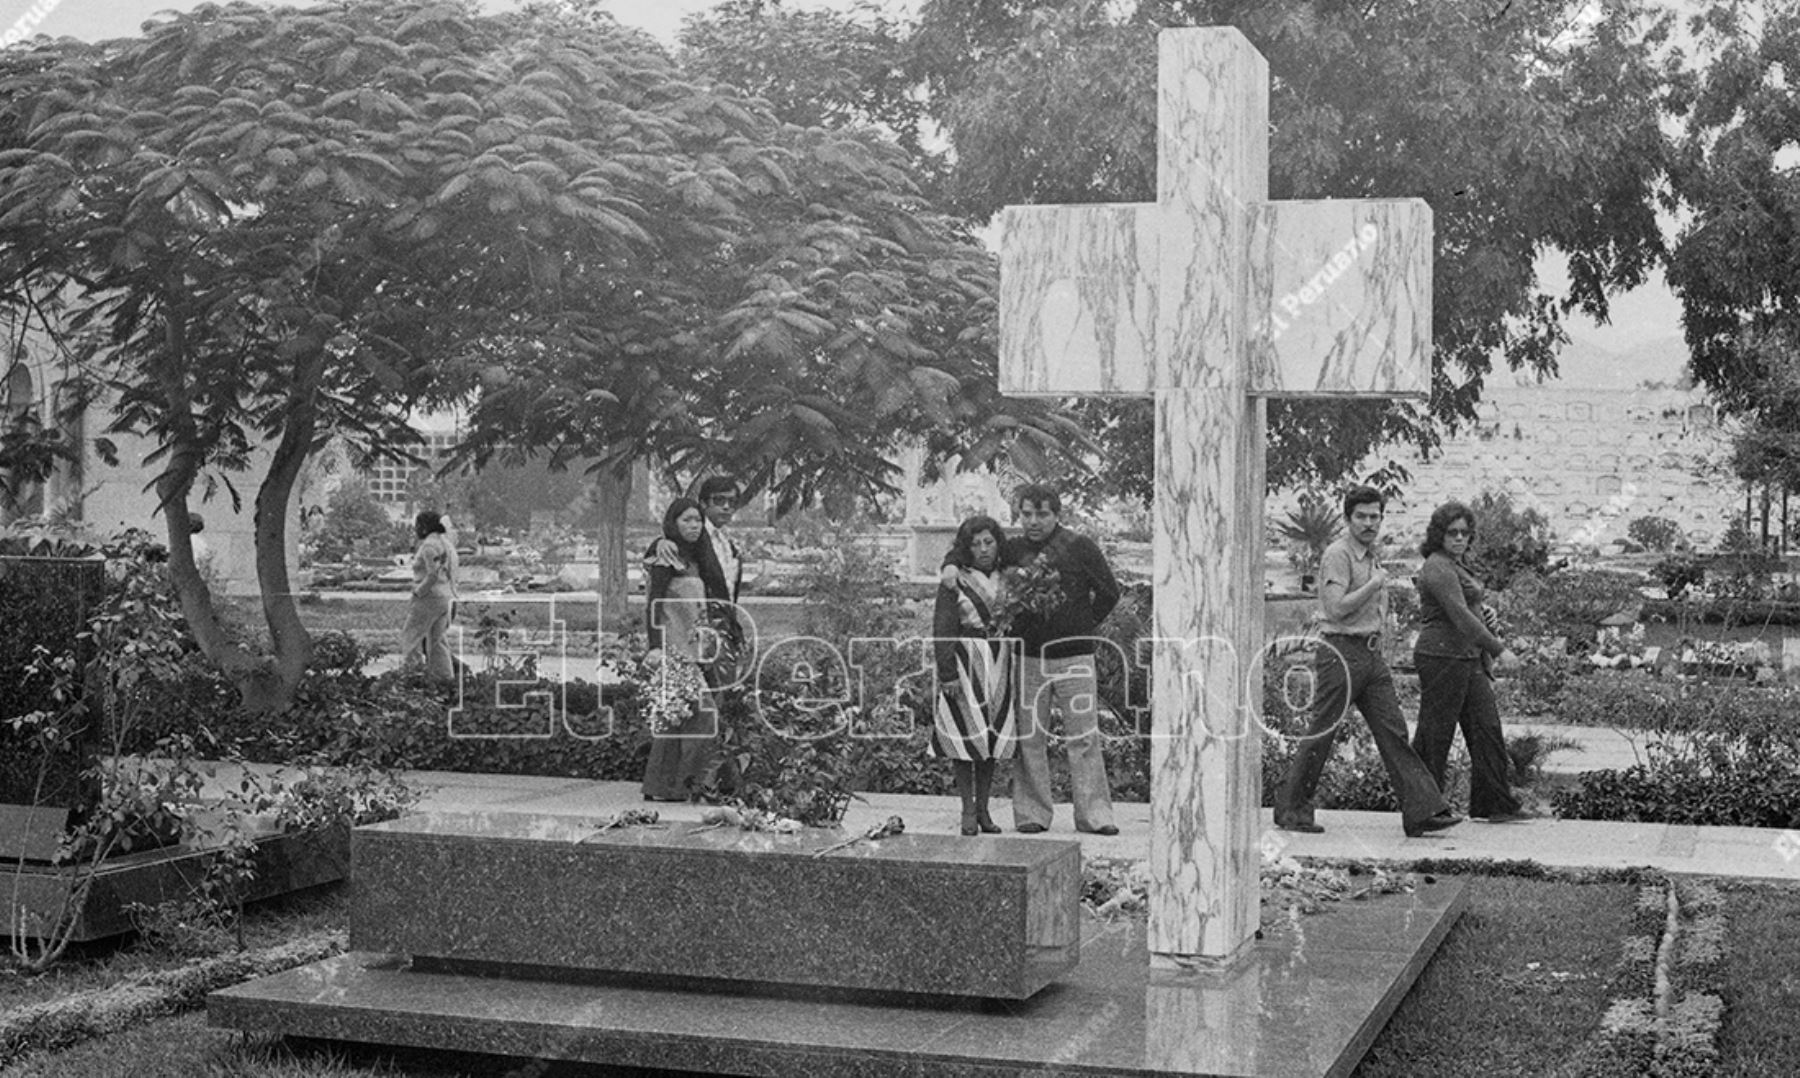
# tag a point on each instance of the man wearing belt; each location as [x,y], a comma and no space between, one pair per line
[1349,669]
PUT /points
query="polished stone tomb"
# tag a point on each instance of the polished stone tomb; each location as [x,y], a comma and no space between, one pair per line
[931,914]
[1307,1000]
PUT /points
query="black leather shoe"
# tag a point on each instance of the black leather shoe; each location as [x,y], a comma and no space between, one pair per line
[1442,821]
[1032,829]
[1107,829]
[1305,827]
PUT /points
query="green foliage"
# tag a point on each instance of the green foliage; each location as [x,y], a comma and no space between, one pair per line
[1654,533]
[815,68]
[1701,779]
[1667,706]
[1309,528]
[1568,602]
[1679,574]
[1742,567]
[1055,103]
[1508,540]
[1732,260]
[354,524]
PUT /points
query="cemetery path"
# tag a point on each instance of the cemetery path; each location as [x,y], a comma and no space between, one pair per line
[1746,852]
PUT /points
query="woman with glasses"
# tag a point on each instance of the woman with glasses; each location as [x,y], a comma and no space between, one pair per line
[1456,643]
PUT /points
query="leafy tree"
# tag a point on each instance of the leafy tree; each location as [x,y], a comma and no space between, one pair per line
[274,224]
[353,522]
[841,318]
[814,68]
[1524,133]
[1735,262]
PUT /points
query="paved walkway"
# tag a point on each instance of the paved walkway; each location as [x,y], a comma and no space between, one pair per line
[1746,852]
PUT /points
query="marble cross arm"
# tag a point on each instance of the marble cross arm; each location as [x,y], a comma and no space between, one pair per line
[1340,299]
[1338,303]
[1078,299]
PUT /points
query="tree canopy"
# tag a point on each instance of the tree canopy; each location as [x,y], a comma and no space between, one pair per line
[270,225]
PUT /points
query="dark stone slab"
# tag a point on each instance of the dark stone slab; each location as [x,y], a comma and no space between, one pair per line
[31,832]
[45,602]
[938,914]
[1307,1000]
[284,863]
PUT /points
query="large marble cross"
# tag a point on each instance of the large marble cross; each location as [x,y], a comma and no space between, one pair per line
[1210,300]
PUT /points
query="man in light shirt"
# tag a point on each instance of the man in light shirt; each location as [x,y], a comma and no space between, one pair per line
[1348,669]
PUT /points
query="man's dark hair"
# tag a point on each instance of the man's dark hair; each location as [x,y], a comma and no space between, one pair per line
[1363,495]
[1038,494]
[428,522]
[716,484]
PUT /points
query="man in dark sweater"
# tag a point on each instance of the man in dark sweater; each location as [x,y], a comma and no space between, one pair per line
[1058,667]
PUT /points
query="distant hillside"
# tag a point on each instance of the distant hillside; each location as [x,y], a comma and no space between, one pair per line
[1584,364]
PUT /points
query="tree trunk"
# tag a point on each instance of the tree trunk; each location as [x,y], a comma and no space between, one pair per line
[291,642]
[266,683]
[612,496]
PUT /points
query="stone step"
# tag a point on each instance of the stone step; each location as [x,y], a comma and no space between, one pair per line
[556,896]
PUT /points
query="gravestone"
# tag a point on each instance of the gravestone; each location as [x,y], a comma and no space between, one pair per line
[44,779]
[1211,300]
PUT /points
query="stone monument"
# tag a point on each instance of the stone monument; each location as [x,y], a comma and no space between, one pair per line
[1210,300]
[683,948]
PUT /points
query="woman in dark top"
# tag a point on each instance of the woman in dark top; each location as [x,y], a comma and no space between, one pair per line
[1455,645]
[684,745]
[975,718]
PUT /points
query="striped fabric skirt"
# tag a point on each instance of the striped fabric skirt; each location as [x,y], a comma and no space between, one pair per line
[977,715]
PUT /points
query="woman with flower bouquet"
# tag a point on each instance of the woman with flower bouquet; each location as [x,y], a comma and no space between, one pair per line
[975,718]
[685,752]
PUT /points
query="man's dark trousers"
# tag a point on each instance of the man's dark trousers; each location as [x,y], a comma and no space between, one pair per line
[1348,670]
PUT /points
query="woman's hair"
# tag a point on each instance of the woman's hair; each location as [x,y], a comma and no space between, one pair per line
[960,554]
[1441,519]
[672,530]
[428,522]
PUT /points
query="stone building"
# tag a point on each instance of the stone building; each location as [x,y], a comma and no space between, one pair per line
[1590,459]
[107,498]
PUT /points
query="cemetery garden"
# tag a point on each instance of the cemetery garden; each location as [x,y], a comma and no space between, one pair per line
[1240,249]
[1581,954]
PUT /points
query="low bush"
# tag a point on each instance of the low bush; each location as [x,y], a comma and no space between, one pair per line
[1702,779]
[1632,700]
[1570,602]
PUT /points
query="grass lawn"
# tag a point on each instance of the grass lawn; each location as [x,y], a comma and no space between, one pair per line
[1762,993]
[1518,986]
[103,963]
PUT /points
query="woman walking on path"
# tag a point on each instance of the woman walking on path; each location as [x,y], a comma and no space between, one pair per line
[1453,654]
[433,597]
[975,715]
[684,743]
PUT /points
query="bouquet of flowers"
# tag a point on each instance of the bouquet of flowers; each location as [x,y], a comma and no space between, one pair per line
[1032,588]
[672,691]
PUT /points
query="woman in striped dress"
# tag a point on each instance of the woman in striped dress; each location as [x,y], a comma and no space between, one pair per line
[975,722]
